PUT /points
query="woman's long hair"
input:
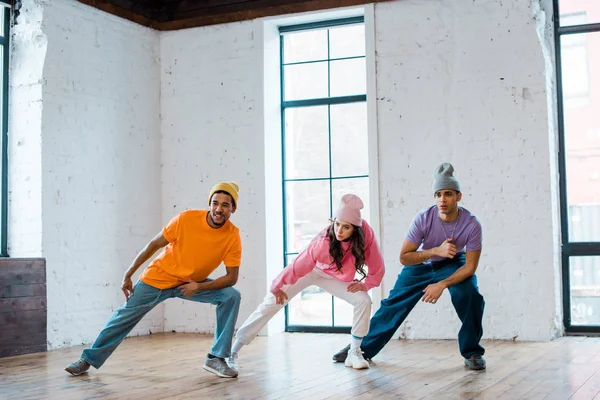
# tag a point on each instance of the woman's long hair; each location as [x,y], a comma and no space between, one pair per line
[357,244]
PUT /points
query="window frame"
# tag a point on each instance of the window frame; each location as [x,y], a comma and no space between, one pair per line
[568,248]
[326,101]
[5,42]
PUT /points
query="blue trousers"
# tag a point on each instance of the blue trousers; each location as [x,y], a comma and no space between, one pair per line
[144,299]
[407,292]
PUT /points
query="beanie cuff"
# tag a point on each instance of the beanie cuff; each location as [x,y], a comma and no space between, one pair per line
[228,187]
[446,186]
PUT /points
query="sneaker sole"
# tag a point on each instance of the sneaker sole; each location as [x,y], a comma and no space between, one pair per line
[214,371]
[358,367]
[75,373]
[475,368]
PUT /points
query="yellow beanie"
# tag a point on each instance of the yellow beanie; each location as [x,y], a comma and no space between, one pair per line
[230,187]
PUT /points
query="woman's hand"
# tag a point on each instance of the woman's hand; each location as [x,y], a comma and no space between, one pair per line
[355,287]
[280,297]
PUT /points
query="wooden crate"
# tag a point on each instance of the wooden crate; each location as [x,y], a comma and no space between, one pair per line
[23,313]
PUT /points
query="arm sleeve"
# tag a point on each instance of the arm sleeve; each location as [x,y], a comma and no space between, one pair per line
[475,238]
[302,265]
[233,258]
[415,233]
[171,230]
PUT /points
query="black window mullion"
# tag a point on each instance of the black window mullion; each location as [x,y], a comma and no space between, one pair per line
[322,24]
[319,61]
[574,29]
[325,101]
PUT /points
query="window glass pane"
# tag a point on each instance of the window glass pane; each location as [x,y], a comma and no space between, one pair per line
[575,69]
[305,81]
[2,86]
[349,139]
[357,186]
[585,290]
[344,312]
[584,219]
[306,142]
[311,307]
[579,12]
[307,212]
[2,116]
[347,41]
[305,46]
[581,95]
[348,77]
[4,13]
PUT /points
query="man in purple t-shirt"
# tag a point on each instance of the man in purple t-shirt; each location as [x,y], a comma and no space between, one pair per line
[441,250]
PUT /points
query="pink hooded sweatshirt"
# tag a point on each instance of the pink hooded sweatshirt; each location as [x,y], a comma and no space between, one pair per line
[316,255]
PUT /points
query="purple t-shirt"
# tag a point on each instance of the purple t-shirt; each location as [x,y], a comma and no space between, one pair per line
[426,231]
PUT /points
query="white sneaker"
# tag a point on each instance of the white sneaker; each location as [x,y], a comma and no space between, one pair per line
[232,361]
[356,360]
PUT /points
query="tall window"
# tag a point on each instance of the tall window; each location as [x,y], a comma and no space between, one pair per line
[325,151]
[578,65]
[4,47]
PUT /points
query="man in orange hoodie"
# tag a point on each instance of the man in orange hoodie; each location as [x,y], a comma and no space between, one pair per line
[194,243]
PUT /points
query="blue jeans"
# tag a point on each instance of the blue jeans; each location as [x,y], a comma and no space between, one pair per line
[144,299]
[407,292]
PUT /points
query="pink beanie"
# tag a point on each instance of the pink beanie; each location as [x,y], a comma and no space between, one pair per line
[349,209]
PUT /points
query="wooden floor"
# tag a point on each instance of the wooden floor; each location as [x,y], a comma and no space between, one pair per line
[299,366]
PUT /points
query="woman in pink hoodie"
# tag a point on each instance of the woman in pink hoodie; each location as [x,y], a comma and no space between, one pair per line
[331,262]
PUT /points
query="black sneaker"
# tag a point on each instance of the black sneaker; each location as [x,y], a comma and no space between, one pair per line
[341,355]
[78,367]
[475,362]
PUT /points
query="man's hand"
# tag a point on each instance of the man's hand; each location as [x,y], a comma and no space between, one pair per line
[433,292]
[355,287]
[127,287]
[158,242]
[280,297]
[446,249]
[189,289]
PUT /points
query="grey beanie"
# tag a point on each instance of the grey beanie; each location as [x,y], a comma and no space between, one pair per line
[443,178]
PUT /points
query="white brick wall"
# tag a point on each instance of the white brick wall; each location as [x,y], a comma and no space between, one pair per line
[466,83]
[99,155]
[210,102]
[459,83]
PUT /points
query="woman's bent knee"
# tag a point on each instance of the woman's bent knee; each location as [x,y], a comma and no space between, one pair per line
[362,299]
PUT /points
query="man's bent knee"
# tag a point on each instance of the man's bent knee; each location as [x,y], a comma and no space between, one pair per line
[233,295]
[466,291]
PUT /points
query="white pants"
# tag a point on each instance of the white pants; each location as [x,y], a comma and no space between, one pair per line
[268,308]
